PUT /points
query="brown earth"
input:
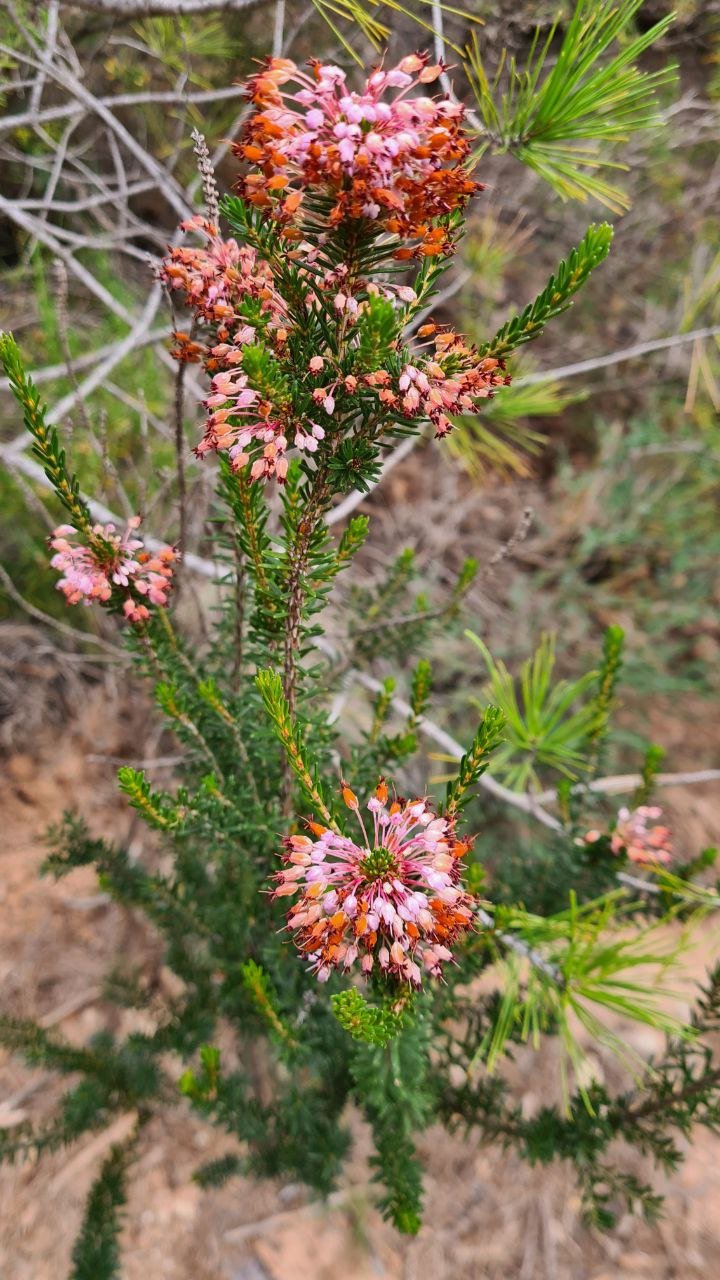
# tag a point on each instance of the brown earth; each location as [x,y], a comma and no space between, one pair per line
[488,1215]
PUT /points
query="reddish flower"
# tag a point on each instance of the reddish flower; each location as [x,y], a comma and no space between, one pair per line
[393,900]
[451,380]
[216,280]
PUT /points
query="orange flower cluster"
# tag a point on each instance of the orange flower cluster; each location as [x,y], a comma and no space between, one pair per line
[402,163]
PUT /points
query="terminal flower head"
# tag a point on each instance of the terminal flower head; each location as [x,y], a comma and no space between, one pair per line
[389,154]
[390,901]
[107,565]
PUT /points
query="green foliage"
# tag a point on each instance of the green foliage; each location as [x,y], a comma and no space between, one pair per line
[549,726]
[217,1172]
[362,15]
[682,1089]
[557,295]
[475,761]
[557,114]
[96,1255]
[46,446]
[393,1086]
[291,740]
[157,809]
[372,1024]
[575,967]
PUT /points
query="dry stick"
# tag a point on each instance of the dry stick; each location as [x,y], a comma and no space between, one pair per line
[8,124]
[162,8]
[109,196]
[440,56]
[654,890]
[50,372]
[513,943]
[121,349]
[180,455]
[34,227]
[169,187]
[278,28]
[630,781]
[618,357]
[63,324]
[73,632]
[50,46]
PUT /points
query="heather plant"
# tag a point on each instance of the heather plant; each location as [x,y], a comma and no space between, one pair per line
[328,922]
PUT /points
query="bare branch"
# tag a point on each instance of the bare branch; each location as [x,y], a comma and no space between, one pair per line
[618,357]
[160,8]
[624,782]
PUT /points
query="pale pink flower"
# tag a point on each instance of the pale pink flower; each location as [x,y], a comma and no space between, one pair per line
[402,162]
[449,381]
[641,841]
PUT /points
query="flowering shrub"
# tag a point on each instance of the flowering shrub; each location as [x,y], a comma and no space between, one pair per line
[308,312]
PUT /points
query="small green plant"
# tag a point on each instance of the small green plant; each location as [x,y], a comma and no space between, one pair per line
[548,724]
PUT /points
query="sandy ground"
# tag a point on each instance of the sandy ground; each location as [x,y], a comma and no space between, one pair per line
[488,1215]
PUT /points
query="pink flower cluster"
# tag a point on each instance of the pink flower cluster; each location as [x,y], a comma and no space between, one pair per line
[111,563]
[638,834]
[399,165]
[239,416]
[450,381]
[402,162]
[215,280]
[394,900]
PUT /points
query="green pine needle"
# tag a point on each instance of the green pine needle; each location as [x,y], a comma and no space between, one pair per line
[557,115]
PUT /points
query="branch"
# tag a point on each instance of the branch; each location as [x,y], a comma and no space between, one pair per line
[618,357]
[622,782]
[525,802]
[160,8]
[513,943]
[168,97]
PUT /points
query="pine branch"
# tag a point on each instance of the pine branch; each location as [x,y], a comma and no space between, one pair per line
[557,119]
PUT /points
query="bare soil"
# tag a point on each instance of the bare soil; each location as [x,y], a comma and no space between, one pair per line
[488,1215]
